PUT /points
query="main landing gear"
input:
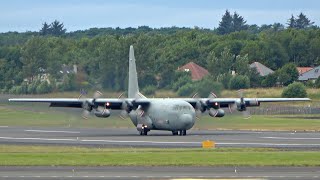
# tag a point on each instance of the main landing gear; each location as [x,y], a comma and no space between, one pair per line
[144,132]
[180,133]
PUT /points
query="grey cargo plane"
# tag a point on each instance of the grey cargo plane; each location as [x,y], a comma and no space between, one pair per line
[170,114]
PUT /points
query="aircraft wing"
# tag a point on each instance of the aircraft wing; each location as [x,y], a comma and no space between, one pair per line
[115,104]
[225,102]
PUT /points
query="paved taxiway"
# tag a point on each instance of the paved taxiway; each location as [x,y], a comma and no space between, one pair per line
[129,138]
[158,172]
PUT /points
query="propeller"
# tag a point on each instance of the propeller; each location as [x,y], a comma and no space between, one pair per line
[240,105]
[88,105]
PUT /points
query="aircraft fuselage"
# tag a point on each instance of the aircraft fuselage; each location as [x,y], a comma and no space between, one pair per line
[166,114]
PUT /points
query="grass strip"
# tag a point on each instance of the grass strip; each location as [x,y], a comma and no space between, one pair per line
[79,156]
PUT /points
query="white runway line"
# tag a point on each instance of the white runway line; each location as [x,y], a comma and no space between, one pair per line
[45,131]
[45,139]
[289,138]
[158,142]
[4,126]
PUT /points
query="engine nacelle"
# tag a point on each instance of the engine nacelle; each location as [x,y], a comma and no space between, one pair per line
[216,112]
[102,114]
[252,103]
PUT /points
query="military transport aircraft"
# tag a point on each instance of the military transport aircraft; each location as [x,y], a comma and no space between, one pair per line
[170,114]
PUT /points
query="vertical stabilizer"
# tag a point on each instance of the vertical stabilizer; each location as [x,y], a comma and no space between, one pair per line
[133,88]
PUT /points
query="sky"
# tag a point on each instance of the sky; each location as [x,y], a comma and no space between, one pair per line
[23,15]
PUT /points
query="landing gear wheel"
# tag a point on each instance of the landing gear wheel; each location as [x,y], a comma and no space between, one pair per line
[175,133]
[180,132]
[145,132]
[184,132]
[141,133]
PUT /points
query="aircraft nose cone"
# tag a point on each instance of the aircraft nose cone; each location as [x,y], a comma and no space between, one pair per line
[186,119]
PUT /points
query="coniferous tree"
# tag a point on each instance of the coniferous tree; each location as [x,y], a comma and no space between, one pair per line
[46,29]
[57,28]
[303,22]
[292,22]
[238,22]
[225,25]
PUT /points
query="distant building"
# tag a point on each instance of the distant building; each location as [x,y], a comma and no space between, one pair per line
[261,69]
[312,74]
[69,69]
[302,70]
[197,72]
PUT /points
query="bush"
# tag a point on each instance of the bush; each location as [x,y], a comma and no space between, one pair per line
[239,82]
[208,85]
[186,90]
[294,90]
[225,79]
[149,90]
[270,80]
[182,79]
[43,88]
[317,83]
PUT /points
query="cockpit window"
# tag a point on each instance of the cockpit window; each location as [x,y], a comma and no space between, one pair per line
[181,108]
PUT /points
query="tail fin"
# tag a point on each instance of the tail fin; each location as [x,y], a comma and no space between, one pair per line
[133,88]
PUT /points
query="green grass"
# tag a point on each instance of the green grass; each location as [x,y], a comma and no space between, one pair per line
[76,156]
[44,117]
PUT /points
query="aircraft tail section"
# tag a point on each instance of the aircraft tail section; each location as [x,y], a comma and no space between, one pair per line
[133,88]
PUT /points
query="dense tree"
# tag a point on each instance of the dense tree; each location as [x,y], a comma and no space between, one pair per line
[101,55]
[46,29]
[57,28]
[231,23]
[301,22]
[226,24]
[294,90]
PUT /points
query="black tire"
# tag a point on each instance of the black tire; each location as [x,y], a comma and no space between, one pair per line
[184,132]
[145,132]
[141,133]
[180,133]
[174,133]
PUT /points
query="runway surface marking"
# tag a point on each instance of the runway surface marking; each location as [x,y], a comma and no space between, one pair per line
[188,177]
[154,142]
[4,126]
[293,138]
[45,131]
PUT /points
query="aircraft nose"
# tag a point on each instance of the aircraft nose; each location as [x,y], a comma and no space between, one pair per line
[186,119]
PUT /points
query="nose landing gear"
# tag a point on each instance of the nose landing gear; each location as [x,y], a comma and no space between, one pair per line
[143,129]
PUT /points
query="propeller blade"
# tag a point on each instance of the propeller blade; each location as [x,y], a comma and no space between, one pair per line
[97,94]
[123,114]
[85,114]
[246,114]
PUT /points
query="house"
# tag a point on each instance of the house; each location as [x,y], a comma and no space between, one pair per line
[312,74]
[197,72]
[302,70]
[261,69]
[69,69]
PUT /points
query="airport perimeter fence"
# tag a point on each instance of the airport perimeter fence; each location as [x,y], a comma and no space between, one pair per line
[285,110]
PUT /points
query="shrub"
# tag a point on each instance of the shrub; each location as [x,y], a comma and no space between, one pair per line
[239,82]
[294,90]
[208,85]
[149,90]
[186,90]
[317,83]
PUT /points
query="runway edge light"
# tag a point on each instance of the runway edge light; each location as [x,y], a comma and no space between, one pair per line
[208,144]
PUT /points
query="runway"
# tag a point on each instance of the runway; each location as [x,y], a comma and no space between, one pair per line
[129,138]
[158,172]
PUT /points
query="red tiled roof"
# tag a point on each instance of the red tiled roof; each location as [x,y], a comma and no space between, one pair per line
[302,70]
[197,72]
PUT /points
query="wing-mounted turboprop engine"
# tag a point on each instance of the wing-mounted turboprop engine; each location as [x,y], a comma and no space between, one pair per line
[209,105]
[89,105]
[241,105]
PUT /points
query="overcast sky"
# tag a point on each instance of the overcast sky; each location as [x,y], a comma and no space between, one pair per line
[22,15]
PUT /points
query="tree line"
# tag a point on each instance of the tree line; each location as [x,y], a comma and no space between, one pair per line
[101,55]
